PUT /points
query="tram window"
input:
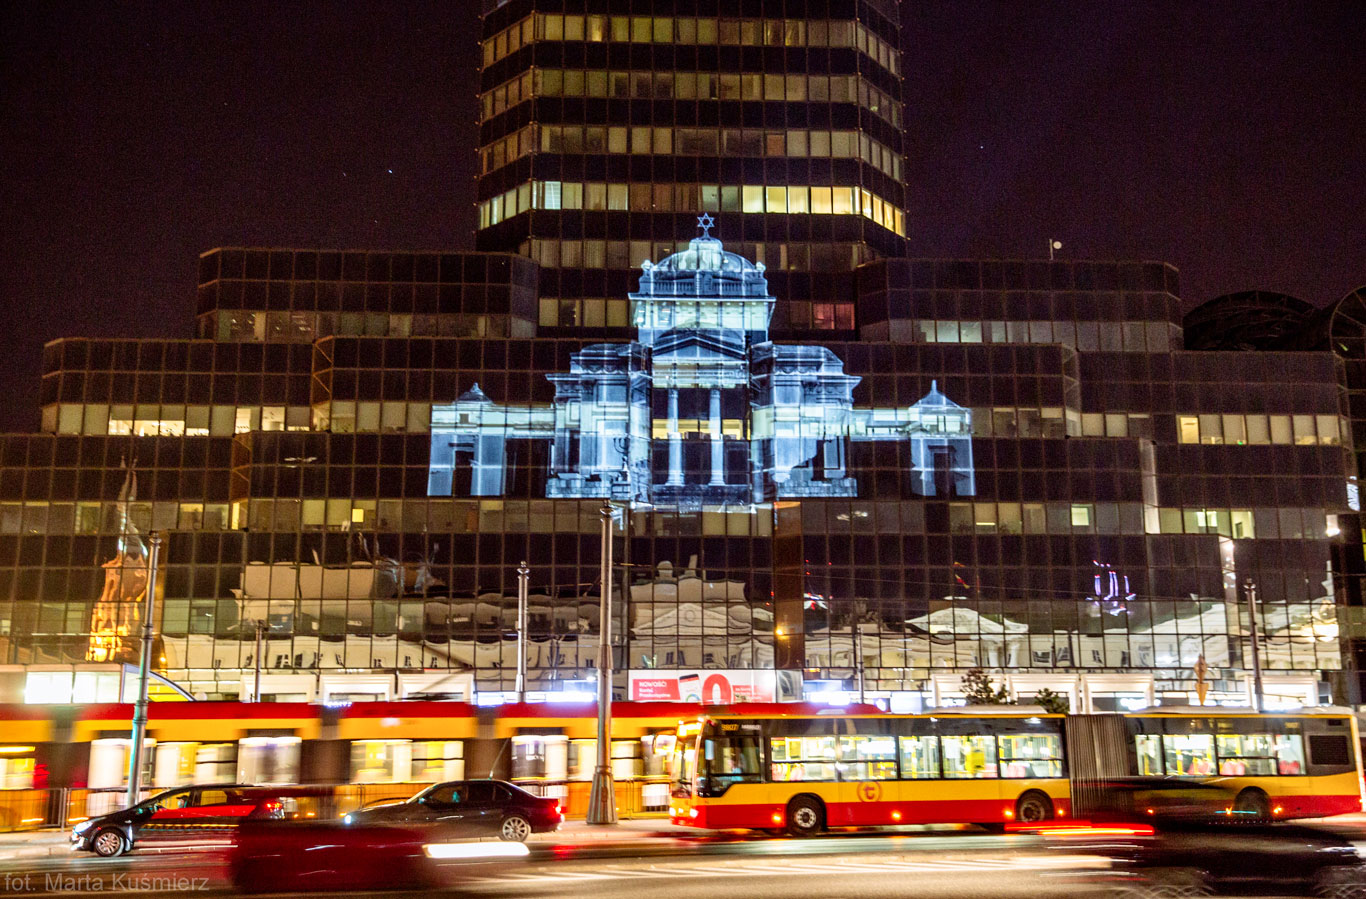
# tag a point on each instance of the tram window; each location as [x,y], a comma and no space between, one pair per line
[1149,748]
[1031,755]
[1329,749]
[867,758]
[803,758]
[919,757]
[1245,755]
[970,757]
[1189,754]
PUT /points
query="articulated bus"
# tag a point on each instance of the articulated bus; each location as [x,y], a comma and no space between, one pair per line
[803,773]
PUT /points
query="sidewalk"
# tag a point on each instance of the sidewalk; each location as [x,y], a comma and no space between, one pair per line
[44,843]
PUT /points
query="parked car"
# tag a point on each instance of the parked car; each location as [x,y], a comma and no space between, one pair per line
[185,812]
[469,808]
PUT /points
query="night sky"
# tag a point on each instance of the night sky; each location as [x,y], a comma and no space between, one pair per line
[1227,138]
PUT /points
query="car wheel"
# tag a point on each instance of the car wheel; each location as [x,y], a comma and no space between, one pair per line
[1253,804]
[515,829]
[805,816]
[109,843]
[1034,807]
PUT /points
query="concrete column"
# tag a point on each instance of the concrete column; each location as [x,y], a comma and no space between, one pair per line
[718,443]
[675,442]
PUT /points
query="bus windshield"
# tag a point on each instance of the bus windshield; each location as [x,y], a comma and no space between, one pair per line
[728,760]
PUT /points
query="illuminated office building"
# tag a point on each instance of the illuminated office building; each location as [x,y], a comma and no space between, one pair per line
[831,464]
[604,133]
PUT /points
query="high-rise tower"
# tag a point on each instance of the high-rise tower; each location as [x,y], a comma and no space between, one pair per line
[608,127]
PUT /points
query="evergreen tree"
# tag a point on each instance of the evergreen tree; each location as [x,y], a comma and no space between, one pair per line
[978,689]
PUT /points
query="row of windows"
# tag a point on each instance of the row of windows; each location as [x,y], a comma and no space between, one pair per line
[687,30]
[604,84]
[170,420]
[1300,430]
[831,256]
[1230,755]
[1135,518]
[345,416]
[545,516]
[732,142]
[1128,337]
[659,197]
[243,326]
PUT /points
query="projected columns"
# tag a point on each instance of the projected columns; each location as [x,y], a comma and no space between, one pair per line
[675,442]
[718,445]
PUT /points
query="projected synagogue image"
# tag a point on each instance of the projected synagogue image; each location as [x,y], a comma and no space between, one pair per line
[702,408]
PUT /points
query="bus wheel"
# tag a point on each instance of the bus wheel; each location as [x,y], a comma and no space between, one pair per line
[1033,807]
[1253,803]
[805,816]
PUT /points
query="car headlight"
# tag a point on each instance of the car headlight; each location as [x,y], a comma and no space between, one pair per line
[83,827]
[346,819]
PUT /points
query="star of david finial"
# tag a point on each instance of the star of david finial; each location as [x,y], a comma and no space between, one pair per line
[705,222]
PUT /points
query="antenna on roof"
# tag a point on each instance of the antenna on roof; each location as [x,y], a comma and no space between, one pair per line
[1053,245]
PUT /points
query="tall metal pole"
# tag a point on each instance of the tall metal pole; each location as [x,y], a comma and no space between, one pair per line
[256,686]
[602,800]
[144,674]
[523,576]
[858,651]
[1257,700]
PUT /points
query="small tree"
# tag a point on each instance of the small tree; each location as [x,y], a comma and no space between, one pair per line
[978,689]
[1053,703]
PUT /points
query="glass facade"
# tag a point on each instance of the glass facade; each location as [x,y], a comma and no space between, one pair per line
[796,512]
[833,465]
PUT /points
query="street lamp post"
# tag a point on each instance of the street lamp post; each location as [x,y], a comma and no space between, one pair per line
[144,674]
[523,575]
[1257,700]
[256,681]
[602,801]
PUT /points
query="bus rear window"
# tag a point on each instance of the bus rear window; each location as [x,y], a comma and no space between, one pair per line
[1329,749]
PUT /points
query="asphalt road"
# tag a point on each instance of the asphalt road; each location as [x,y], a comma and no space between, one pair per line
[971,866]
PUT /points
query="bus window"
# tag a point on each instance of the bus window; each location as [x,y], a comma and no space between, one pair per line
[1330,749]
[1149,748]
[1031,755]
[1189,754]
[867,758]
[730,760]
[969,757]
[1289,751]
[919,757]
[1245,755]
[803,758]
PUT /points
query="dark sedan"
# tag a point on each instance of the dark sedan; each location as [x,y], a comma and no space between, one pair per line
[470,808]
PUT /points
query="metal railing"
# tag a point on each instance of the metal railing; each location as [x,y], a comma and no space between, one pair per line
[62,807]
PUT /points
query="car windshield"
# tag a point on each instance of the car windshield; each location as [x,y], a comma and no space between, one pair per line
[426,793]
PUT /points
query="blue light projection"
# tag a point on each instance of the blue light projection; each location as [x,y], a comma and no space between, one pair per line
[702,408]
